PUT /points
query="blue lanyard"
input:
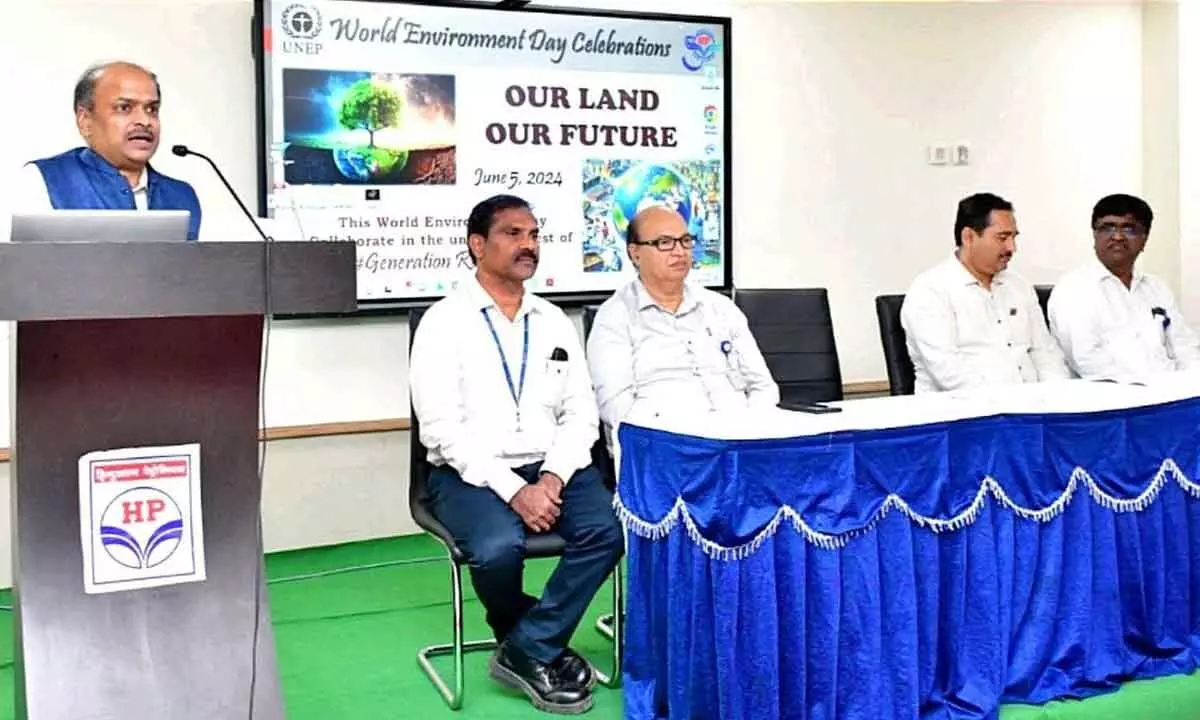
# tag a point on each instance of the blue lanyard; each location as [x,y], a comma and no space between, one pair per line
[516,390]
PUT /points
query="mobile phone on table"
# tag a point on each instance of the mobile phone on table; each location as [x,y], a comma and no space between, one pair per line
[808,407]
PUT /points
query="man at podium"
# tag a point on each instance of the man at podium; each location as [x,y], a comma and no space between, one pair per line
[116,111]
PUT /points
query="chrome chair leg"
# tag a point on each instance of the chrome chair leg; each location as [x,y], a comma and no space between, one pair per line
[610,627]
[457,649]
[604,625]
[618,627]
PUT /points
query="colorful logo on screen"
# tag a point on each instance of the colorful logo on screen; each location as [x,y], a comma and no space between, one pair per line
[700,49]
[710,114]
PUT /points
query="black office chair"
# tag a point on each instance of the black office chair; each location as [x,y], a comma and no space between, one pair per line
[901,374]
[606,625]
[600,455]
[1043,295]
[794,331]
[536,546]
[589,319]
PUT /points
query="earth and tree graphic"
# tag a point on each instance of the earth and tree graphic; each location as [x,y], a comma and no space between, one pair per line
[368,128]
[615,190]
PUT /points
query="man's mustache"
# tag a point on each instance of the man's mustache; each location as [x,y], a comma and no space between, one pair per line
[522,254]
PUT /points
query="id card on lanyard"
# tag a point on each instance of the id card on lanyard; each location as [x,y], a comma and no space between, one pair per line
[514,389]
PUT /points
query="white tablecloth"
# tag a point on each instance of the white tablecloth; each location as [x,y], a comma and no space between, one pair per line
[1065,396]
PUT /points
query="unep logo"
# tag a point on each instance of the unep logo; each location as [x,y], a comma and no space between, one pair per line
[141,528]
[702,49]
[301,21]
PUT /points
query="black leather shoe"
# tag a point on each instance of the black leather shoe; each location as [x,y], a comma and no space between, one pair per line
[572,666]
[546,689]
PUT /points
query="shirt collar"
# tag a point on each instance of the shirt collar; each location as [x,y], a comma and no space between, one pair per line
[691,299]
[481,300]
[960,272]
[1102,274]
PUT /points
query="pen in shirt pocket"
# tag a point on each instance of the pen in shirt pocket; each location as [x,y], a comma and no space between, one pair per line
[1160,312]
[557,362]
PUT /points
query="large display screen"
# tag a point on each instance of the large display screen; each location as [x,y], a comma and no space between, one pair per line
[385,122]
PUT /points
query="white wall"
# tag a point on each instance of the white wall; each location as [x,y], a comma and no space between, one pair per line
[838,102]
[1188,73]
[834,107]
[1160,136]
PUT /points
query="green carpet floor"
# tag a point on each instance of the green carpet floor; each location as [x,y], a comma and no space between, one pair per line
[347,643]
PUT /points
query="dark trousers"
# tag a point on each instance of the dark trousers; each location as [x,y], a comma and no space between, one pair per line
[492,536]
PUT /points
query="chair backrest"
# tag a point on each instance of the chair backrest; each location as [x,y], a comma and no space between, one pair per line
[901,375]
[589,317]
[794,331]
[418,460]
[601,457]
[1043,295]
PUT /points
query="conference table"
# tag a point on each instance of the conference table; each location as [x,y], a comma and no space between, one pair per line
[929,556]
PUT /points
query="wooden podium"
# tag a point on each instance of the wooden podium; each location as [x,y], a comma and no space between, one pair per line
[123,345]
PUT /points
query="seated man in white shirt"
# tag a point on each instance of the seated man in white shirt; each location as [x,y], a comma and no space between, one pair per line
[970,321]
[502,394]
[666,344]
[1113,321]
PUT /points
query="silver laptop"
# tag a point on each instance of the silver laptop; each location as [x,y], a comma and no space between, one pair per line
[101,226]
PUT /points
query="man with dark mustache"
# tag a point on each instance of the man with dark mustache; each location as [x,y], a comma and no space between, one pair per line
[970,321]
[1114,321]
[505,407]
[117,113]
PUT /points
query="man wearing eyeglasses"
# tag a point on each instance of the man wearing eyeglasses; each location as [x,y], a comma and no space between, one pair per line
[1113,321]
[668,344]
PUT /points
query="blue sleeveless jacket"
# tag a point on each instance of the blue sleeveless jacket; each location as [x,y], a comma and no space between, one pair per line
[79,179]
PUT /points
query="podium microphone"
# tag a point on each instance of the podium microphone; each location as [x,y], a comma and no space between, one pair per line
[184,151]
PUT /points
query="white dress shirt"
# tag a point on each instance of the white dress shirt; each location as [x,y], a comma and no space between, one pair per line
[1112,332]
[460,392]
[700,358]
[27,194]
[960,334]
